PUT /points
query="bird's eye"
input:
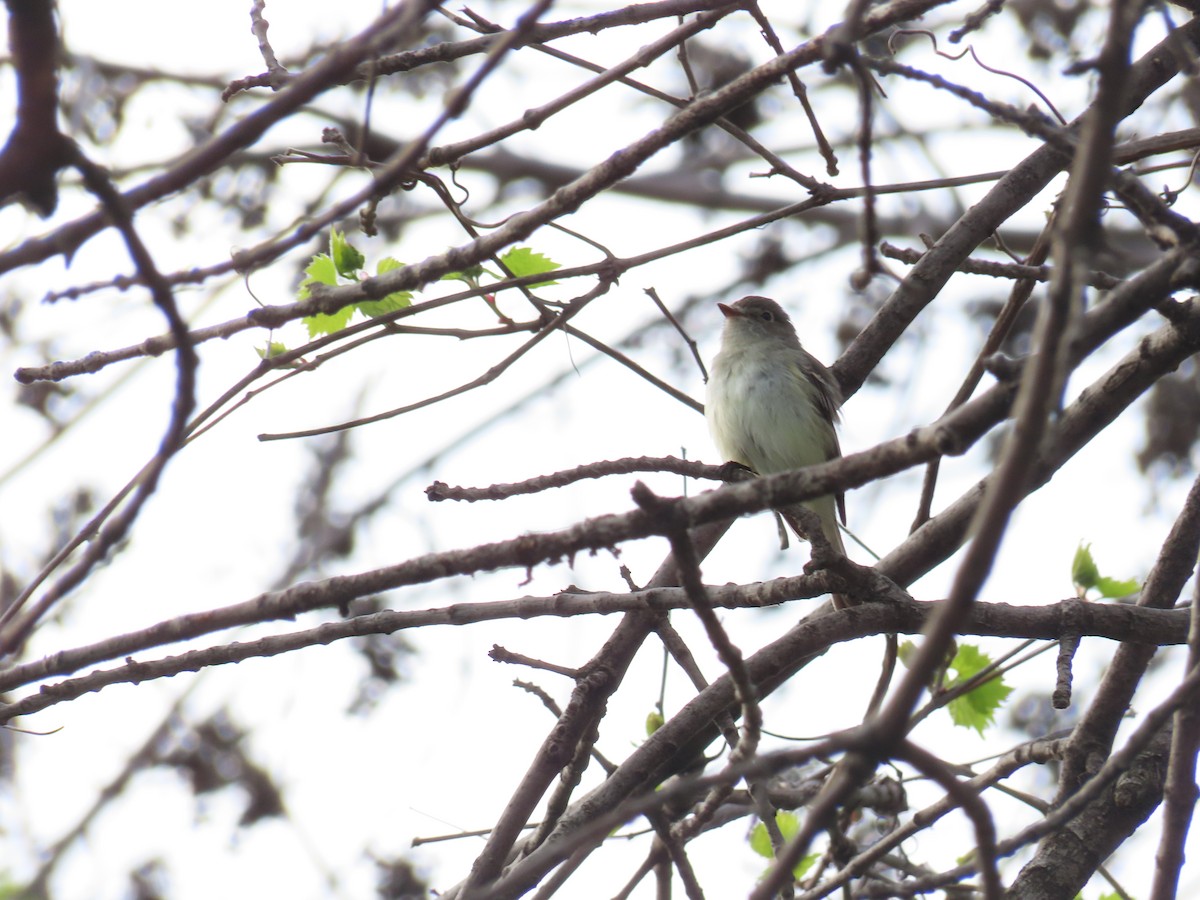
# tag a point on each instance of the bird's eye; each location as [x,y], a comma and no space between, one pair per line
[766,316]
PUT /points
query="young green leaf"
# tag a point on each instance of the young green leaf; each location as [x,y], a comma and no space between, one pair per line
[1112,588]
[976,709]
[968,662]
[1085,575]
[760,841]
[320,271]
[1084,572]
[654,721]
[470,277]
[346,258]
[328,324]
[522,261]
[390,303]
[323,271]
[273,349]
[393,301]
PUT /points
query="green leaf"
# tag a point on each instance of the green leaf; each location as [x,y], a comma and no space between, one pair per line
[322,324]
[390,303]
[393,301]
[968,662]
[522,261]
[1084,573]
[654,721]
[323,271]
[760,841]
[1113,588]
[976,709]
[320,271]
[346,258]
[788,824]
[470,277]
[804,865]
[273,349]
[905,652]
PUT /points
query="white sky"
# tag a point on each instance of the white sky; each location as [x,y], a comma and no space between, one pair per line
[428,761]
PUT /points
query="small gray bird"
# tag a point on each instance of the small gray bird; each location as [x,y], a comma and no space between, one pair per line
[772,405]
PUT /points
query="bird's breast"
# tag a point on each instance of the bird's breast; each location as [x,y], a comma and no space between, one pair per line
[764,414]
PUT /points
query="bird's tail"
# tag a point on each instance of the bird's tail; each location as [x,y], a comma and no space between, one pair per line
[826,512]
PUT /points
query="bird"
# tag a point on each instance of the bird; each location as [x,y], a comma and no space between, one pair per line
[772,406]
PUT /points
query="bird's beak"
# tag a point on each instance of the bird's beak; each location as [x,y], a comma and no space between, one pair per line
[729,312]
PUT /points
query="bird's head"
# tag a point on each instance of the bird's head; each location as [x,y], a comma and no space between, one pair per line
[758,317]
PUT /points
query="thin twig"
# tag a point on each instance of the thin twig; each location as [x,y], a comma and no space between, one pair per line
[675,323]
[441,491]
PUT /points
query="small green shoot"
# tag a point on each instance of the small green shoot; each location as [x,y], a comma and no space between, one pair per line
[654,721]
[272,350]
[760,841]
[275,349]
[521,261]
[392,302]
[470,277]
[977,708]
[344,264]
[346,259]
[1085,575]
